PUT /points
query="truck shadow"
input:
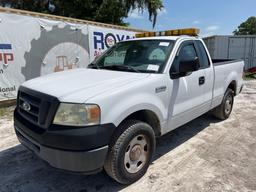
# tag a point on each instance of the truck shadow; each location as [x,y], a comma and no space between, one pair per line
[180,135]
[20,170]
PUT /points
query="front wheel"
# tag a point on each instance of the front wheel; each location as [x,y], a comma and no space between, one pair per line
[131,152]
[224,110]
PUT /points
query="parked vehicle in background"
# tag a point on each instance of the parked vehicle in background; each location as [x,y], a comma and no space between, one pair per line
[233,47]
[110,114]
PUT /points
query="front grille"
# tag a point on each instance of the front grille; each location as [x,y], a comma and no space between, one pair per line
[33,113]
[38,108]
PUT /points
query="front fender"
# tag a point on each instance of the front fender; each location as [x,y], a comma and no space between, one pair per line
[128,105]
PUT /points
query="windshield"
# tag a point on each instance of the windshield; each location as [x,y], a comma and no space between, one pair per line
[145,56]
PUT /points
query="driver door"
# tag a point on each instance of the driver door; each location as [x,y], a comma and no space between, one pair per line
[186,101]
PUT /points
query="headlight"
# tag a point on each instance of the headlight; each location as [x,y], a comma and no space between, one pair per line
[77,114]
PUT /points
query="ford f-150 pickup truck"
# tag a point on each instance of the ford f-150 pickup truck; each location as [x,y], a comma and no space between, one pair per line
[109,114]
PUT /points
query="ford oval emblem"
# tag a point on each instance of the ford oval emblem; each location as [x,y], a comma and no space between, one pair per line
[26,106]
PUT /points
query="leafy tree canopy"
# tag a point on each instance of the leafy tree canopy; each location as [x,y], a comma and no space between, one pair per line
[247,28]
[107,11]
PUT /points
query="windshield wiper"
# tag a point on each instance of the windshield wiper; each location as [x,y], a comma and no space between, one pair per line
[131,68]
[122,67]
[93,65]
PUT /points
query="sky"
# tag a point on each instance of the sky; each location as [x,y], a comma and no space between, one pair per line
[212,17]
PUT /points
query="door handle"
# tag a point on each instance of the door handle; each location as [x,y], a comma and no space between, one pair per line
[201,80]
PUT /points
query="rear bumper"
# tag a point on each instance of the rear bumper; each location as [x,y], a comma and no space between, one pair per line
[82,149]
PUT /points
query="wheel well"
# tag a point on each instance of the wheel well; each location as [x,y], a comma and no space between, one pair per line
[148,117]
[232,86]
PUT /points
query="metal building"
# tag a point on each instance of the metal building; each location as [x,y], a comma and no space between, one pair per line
[233,47]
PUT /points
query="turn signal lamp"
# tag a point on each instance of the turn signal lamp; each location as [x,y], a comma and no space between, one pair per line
[175,32]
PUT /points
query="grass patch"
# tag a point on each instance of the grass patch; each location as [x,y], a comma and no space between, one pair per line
[249,76]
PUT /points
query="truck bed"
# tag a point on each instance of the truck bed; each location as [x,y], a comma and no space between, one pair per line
[224,61]
[223,75]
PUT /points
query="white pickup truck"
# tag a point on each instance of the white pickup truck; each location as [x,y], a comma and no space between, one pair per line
[109,115]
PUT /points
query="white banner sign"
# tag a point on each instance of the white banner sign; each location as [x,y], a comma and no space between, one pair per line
[31,47]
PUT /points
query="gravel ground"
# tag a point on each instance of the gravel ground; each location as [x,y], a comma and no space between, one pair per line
[204,155]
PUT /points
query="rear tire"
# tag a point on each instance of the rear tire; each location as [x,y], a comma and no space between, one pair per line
[224,110]
[130,152]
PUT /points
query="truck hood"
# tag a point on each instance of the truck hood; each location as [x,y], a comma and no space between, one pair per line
[79,85]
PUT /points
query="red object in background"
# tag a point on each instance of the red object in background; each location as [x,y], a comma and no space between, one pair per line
[252,70]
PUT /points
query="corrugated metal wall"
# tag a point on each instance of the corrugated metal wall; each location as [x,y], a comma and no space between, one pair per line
[233,47]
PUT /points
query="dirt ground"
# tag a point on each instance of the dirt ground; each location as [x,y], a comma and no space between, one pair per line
[203,155]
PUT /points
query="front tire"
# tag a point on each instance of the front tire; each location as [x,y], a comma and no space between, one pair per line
[224,110]
[130,152]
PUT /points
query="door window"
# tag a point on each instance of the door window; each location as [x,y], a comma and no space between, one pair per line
[203,57]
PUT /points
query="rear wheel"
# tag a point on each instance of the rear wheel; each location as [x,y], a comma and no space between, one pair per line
[224,110]
[130,152]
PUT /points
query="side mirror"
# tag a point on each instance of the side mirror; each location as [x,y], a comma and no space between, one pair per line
[189,66]
[186,67]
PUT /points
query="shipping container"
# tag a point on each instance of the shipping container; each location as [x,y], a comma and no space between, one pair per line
[233,47]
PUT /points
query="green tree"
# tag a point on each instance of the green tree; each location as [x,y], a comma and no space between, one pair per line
[247,28]
[107,11]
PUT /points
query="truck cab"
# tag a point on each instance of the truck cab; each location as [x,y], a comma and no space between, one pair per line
[109,115]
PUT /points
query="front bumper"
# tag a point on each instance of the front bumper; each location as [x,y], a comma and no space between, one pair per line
[72,149]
